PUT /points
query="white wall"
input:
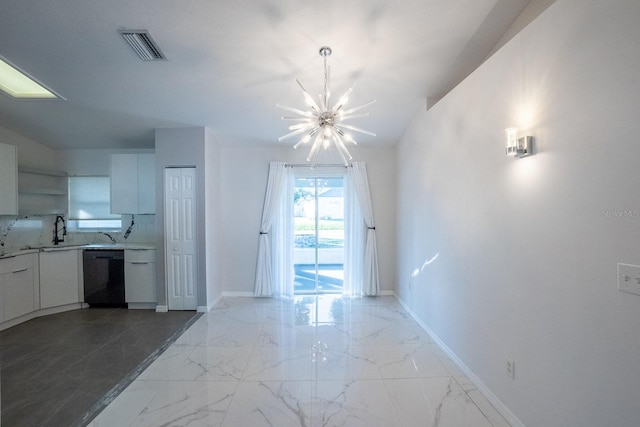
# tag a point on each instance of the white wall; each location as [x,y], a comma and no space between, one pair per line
[30,153]
[244,172]
[212,213]
[527,248]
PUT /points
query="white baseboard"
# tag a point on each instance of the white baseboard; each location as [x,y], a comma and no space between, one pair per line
[235,294]
[13,322]
[216,301]
[229,294]
[165,309]
[247,294]
[39,313]
[481,386]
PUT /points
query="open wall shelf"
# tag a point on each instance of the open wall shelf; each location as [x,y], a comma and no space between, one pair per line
[42,191]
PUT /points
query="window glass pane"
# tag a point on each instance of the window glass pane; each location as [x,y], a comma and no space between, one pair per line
[318,252]
[89,198]
[94,224]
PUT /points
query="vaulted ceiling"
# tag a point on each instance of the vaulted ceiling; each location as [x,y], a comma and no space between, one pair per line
[228,62]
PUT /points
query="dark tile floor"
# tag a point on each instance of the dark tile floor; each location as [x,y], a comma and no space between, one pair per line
[56,370]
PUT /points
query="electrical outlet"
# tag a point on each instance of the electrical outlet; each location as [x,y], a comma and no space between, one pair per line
[510,367]
[629,278]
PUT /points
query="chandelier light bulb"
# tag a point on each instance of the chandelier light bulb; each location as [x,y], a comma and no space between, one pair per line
[322,122]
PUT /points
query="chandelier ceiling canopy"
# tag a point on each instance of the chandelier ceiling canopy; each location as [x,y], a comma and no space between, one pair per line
[323,125]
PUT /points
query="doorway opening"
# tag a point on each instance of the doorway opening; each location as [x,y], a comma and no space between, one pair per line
[318,222]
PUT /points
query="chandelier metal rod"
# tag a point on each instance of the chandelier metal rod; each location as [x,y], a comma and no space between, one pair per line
[354,109]
[355,129]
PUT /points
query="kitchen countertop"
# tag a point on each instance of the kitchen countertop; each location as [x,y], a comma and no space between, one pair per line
[8,253]
[117,246]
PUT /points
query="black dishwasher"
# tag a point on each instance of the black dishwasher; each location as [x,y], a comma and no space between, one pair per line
[104,277]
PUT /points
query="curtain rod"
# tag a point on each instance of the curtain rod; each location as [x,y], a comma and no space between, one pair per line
[325,165]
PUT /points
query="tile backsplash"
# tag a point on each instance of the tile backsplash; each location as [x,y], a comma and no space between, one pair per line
[37,230]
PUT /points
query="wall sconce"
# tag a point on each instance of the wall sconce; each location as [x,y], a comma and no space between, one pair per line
[520,147]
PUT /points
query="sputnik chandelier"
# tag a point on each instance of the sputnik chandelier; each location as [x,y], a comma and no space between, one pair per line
[323,124]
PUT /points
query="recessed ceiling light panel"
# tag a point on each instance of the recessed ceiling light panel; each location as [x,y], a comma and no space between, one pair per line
[142,43]
[17,84]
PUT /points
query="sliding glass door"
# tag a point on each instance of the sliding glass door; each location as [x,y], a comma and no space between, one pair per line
[318,253]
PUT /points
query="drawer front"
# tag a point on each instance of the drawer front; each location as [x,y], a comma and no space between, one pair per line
[20,262]
[139,255]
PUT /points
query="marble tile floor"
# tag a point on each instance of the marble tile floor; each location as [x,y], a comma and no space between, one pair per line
[314,361]
[56,369]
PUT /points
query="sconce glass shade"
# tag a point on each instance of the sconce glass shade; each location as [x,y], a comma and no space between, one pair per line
[520,147]
[512,141]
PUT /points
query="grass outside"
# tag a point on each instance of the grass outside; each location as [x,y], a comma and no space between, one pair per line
[309,224]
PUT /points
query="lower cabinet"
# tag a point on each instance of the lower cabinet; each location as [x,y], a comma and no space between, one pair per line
[60,277]
[18,286]
[35,281]
[140,278]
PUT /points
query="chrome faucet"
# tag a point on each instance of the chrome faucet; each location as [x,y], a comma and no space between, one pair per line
[56,240]
[113,240]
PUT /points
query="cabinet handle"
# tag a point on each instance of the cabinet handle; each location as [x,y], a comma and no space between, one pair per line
[19,271]
[138,262]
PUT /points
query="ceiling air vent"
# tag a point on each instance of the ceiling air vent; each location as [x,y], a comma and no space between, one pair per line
[144,46]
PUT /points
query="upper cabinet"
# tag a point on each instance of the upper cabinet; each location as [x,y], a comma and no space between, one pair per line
[42,191]
[146,184]
[133,184]
[28,191]
[8,180]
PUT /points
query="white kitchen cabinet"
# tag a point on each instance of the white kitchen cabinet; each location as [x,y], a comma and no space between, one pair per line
[140,278]
[8,180]
[133,183]
[60,277]
[146,183]
[123,174]
[18,286]
[42,191]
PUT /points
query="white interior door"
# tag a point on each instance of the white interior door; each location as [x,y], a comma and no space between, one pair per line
[180,237]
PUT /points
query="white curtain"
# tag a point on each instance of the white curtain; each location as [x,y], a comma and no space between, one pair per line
[275,275]
[282,240]
[370,278]
[354,236]
[276,184]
